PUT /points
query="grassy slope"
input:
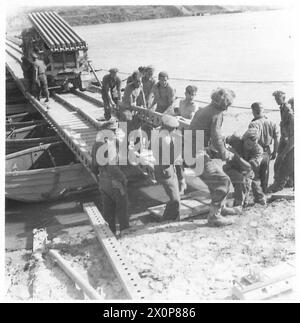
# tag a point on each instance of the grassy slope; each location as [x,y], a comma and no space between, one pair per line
[87,15]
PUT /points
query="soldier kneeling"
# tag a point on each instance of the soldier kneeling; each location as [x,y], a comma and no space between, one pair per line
[243,169]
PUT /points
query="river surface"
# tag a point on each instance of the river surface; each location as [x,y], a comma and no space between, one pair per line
[251,46]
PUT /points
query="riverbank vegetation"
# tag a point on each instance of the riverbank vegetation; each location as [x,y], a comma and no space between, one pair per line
[89,15]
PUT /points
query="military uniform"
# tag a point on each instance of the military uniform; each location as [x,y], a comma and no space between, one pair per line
[244,179]
[210,120]
[110,87]
[131,95]
[40,79]
[113,188]
[166,174]
[284,167]
[268,132]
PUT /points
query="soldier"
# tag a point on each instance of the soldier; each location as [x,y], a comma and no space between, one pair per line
[243,169]
[210,119]
[163,95]
[291,103]
[112,182]
[267,132]
[132,91]
[187,107]
[136,74]
[166,174]
[39,78]
[148,82]
[111,91]
[284,164]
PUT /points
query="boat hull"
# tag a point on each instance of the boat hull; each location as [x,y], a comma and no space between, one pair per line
[14,145]
[12,109]
[36,130]
[47,184]
[23,117]
[23,124]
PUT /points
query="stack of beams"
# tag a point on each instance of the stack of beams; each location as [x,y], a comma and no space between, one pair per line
[56,32]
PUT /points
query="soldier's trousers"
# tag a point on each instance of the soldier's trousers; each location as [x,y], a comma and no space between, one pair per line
[242,184]
[107,108]
[264,169]
[179,172]
[42,87]
[168,178]
[284,170]
[115,207]
[107,111]
[28,78]
[217,181]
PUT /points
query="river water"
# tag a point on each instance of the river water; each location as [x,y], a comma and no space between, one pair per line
[247,46]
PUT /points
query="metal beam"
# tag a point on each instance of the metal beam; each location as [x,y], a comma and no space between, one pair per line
[76,277]
[129,278]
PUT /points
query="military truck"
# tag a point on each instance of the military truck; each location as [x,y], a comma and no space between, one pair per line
[62,49]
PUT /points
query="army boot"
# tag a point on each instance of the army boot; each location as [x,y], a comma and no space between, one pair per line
[182,186]
[216,219]
[276,187]
[236,210]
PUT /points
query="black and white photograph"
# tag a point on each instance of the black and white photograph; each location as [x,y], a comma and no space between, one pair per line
[149,153]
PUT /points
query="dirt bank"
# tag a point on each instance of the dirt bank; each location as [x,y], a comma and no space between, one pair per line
[182,260]
[90,15]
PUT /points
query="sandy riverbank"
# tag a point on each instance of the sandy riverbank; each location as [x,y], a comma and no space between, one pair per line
[183,260]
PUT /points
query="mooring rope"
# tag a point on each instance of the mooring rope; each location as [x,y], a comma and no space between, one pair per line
[208,81]
[206,102]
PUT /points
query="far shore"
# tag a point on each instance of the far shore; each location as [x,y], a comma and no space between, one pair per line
[93,15]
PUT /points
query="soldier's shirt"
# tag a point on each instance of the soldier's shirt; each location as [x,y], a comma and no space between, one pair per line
[287,124]
[164,96]
[39,66]
[187,109]
[130,94]
[210,120]
[267,129]
[147,87]
[112,85]
[253,156]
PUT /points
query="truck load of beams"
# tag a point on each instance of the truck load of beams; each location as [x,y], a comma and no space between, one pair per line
[56,32]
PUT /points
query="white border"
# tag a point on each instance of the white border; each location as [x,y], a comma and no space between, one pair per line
[8,6]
